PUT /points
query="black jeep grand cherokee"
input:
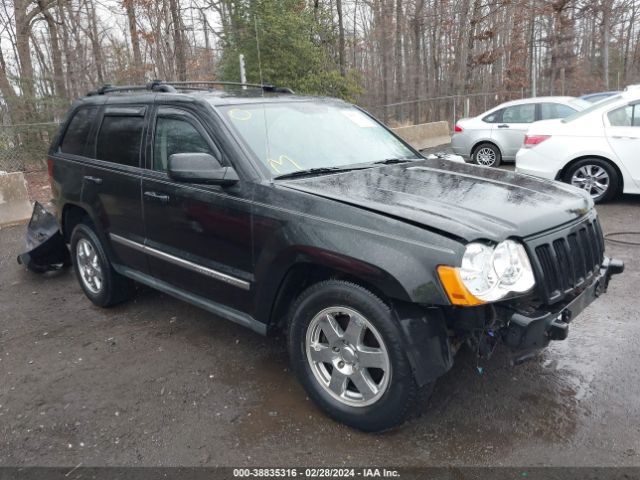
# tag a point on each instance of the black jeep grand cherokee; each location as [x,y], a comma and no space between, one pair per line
[306,215]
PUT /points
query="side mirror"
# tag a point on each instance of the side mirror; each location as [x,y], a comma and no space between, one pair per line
[200,168]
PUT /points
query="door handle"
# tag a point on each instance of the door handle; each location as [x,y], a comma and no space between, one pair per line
[619,137]
[504,125]
[158,197]
[96,180]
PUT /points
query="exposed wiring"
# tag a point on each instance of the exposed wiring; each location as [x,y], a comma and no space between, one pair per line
[622,242]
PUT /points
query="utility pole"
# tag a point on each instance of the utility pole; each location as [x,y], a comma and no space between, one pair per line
[243,73]
[606,22]
[534,73]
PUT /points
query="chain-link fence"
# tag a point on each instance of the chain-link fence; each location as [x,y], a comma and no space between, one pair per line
[24,147]
[449,108]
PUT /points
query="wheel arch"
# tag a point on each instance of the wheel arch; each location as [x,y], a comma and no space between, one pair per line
[563,170]
[302,275]
[71,216]
[482,142]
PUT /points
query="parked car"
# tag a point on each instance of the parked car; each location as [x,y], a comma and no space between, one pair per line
[496,135]
[595,149]
[306,216]
[596,97]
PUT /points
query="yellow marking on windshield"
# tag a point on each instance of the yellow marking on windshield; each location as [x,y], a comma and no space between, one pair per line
[273,163]
[241,115]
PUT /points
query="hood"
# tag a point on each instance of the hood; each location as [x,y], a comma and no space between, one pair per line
[466,201]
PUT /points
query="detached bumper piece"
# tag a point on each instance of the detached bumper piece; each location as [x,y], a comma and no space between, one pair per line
[528,332]
[46,249]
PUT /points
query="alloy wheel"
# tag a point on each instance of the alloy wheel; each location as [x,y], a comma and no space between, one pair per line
[592,178]
[486,156]
[347,356]
[89,266]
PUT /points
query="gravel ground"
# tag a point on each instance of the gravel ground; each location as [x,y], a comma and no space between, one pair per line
[158,382]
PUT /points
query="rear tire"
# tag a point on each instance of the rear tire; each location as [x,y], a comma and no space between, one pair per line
[596,176]
[100,282]
[487,155]
[353,365]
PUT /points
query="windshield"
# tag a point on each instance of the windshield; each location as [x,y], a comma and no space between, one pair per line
[594,106]
[296,136]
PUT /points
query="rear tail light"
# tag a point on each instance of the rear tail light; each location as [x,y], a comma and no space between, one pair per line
[533,140]
[457,129]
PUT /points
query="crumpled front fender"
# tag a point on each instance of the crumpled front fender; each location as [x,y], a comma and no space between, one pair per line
[426,341]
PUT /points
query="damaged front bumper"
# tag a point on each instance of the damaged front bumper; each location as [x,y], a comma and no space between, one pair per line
[527,332]
[46,248]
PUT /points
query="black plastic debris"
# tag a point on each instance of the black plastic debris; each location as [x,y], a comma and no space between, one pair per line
[46,249]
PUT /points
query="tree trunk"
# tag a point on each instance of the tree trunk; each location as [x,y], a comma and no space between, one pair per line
[207,46]
[399,64]
[8,93]
[341,44]
[178,40]
[95,43]
[70,54]
[606,26]
[417,40]
[56,55]
[475,13]
[138,68]
[26,80]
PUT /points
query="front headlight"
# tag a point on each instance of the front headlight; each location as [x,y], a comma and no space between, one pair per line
[488,273]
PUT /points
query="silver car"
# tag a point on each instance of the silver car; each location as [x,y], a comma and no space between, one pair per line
[496,135]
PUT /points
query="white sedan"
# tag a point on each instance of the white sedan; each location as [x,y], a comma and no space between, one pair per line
[597,149]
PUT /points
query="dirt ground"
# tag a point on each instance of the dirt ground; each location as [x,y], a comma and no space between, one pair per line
[158,382]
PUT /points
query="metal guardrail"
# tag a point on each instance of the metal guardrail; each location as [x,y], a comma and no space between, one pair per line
[23,147]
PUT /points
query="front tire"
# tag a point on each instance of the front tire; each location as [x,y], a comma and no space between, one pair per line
[596,176]
[347,352]
[487,155]
[100,282]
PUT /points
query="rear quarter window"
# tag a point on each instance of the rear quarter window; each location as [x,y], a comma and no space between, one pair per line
[119,139]
[550,111]
[77,133]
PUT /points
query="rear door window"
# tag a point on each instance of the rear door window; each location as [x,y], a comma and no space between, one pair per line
[525,113]
[120,138]
[627,116]
[77,133]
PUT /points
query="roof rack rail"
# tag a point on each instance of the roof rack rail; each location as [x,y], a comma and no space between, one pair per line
[168,87]
[265,87]
[153,86]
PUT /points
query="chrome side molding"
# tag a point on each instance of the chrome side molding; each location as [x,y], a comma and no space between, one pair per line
[181,262]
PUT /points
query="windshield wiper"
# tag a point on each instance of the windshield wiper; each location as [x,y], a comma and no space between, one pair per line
[323,170]
[391,161]
[316,171]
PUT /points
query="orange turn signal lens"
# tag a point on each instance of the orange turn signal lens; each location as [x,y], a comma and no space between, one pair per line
[455,288]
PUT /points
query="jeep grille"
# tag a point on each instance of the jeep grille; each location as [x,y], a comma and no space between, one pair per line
[568,260]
